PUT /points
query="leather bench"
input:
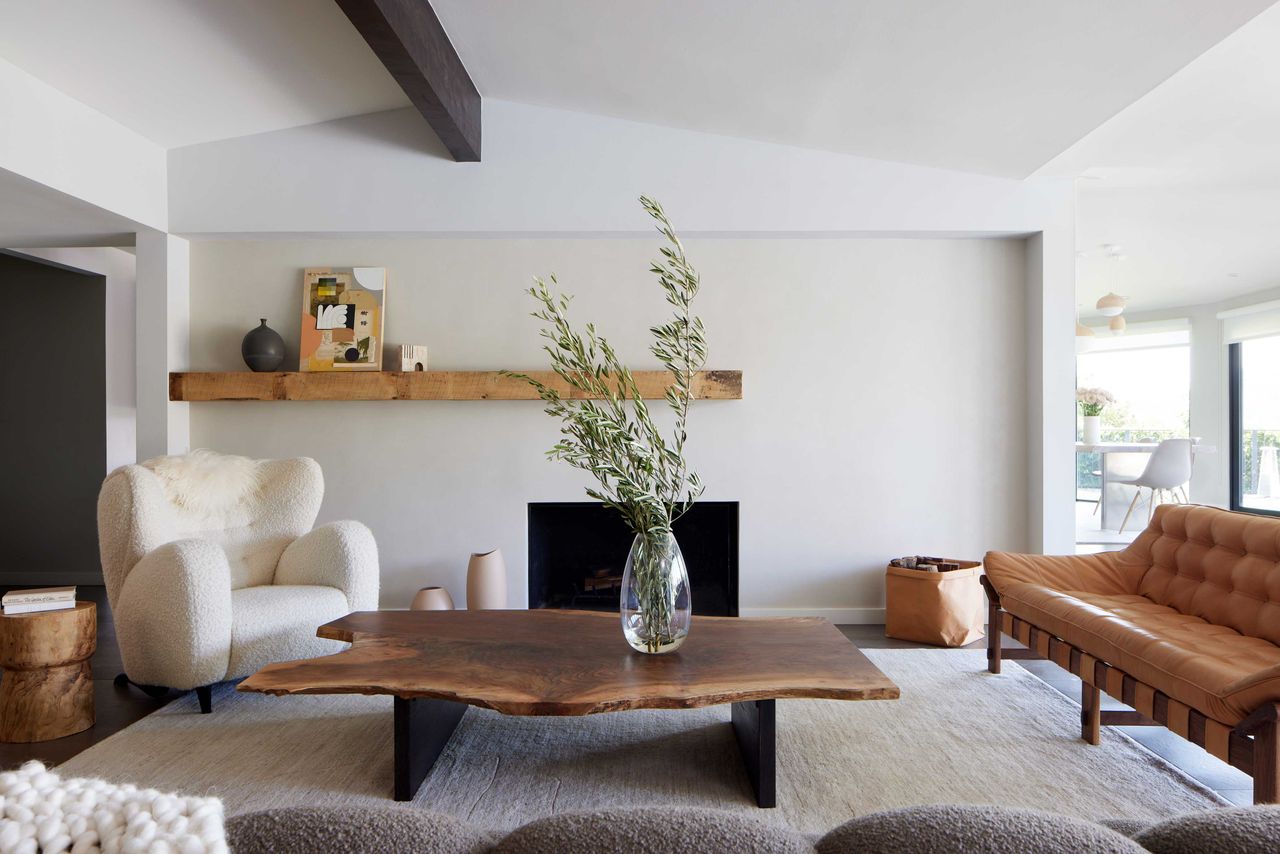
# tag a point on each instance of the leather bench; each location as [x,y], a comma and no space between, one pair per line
[1183,625]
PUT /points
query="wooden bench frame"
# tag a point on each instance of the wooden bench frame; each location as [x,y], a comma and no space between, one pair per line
[1253,746]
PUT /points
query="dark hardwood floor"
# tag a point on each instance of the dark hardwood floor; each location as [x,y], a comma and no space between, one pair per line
[117,708]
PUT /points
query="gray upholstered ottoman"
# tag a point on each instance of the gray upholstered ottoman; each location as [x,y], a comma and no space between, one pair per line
[973,830]
[353,830]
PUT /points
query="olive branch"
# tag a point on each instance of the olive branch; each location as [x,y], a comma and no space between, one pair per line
[640,472]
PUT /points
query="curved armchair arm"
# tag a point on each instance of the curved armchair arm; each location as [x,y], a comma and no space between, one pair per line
[339,554]
[173,616]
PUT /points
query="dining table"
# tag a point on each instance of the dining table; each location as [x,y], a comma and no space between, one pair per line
[1122,461]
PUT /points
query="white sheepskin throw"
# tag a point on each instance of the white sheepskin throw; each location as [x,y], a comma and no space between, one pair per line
[205,482]
[44,813]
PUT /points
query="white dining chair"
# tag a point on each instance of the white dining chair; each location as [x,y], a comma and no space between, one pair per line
[1168,470]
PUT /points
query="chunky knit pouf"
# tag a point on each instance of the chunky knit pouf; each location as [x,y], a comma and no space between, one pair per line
[41,812]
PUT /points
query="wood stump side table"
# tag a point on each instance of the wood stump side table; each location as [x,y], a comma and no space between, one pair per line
[46,689]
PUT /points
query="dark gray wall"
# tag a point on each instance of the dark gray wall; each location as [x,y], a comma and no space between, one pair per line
[53,430]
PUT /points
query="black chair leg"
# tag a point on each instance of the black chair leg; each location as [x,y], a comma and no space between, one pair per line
[205,694]
[154,691]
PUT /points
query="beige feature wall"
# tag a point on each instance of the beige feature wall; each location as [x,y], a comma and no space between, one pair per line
[884,409]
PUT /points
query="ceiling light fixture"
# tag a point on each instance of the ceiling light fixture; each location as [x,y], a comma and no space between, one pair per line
[1112,305]
[1084,337]
[1117,325]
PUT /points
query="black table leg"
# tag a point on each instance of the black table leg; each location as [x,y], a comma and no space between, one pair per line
[422,729]
[755,725]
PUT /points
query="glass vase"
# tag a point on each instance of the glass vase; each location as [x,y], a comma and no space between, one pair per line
[656,608]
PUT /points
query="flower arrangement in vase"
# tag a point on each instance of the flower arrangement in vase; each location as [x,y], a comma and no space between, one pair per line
[1092,401]
[607,430]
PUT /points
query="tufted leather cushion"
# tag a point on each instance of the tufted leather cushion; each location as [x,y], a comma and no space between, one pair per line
[1207,667]
[1219,566]
[1191,608]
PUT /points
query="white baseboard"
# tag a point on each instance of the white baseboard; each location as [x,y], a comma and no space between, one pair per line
[839,616]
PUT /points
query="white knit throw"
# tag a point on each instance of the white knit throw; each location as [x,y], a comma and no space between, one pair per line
[40,812]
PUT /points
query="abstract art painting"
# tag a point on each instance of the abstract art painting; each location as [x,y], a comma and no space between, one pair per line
[342,319]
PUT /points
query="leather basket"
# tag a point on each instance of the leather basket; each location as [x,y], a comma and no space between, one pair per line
[939,608]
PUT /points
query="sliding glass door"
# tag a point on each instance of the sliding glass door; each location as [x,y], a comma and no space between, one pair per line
[1254,367]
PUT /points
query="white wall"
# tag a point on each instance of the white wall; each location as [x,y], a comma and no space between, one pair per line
[117,266]
[883,412]
[57,141]
[552,173]
[164,329]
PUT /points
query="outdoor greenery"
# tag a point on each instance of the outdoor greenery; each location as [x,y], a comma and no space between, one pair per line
[1254,441]
[1250,453]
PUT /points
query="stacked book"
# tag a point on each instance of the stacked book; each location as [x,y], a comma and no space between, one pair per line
[38,599]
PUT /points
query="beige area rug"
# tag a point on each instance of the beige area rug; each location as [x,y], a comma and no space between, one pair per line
[958,735]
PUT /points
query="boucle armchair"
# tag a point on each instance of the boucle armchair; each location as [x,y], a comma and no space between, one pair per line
[213,570]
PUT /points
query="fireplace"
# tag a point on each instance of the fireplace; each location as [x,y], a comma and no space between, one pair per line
[577,551]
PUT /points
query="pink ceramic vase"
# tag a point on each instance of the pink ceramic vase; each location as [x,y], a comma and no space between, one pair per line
[486,581]
[432,599]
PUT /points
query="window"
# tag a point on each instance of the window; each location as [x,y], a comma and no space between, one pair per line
[1255,424]
[1151,385]
[1148,371]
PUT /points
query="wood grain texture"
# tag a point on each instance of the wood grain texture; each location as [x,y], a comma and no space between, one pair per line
[46,691]
[48,638]
[1264,726]
[1090,713]
[549,662]
[416,385]
[407,36]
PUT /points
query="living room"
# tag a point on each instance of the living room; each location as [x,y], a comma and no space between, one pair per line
[827,256]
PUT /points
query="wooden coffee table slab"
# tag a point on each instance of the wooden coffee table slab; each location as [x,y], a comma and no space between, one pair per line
[551,662]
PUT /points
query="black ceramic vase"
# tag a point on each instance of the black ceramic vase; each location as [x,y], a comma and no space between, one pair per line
[262,348]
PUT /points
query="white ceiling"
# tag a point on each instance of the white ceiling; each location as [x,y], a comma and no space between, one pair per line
[1187,181]
[186,71]
[33,215]
[992,86]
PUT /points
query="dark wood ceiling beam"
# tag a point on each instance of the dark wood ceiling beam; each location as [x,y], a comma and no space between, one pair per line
[408,38]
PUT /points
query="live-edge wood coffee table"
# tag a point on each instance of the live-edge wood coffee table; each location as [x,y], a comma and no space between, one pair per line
[550,662]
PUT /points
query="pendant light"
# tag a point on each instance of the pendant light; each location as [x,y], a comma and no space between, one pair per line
[1111,305]
[1117,325]
[1084,337]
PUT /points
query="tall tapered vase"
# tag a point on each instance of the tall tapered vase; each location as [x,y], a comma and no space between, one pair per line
[486,581]
[656,608]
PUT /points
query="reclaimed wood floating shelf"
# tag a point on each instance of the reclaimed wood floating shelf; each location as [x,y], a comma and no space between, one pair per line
[418,385]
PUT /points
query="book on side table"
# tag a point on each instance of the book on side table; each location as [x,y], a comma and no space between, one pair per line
[38,599]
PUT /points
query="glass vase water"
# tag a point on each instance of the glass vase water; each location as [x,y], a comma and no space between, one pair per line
[656,608]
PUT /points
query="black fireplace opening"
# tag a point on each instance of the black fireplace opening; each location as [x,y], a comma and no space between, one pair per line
[578,549]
